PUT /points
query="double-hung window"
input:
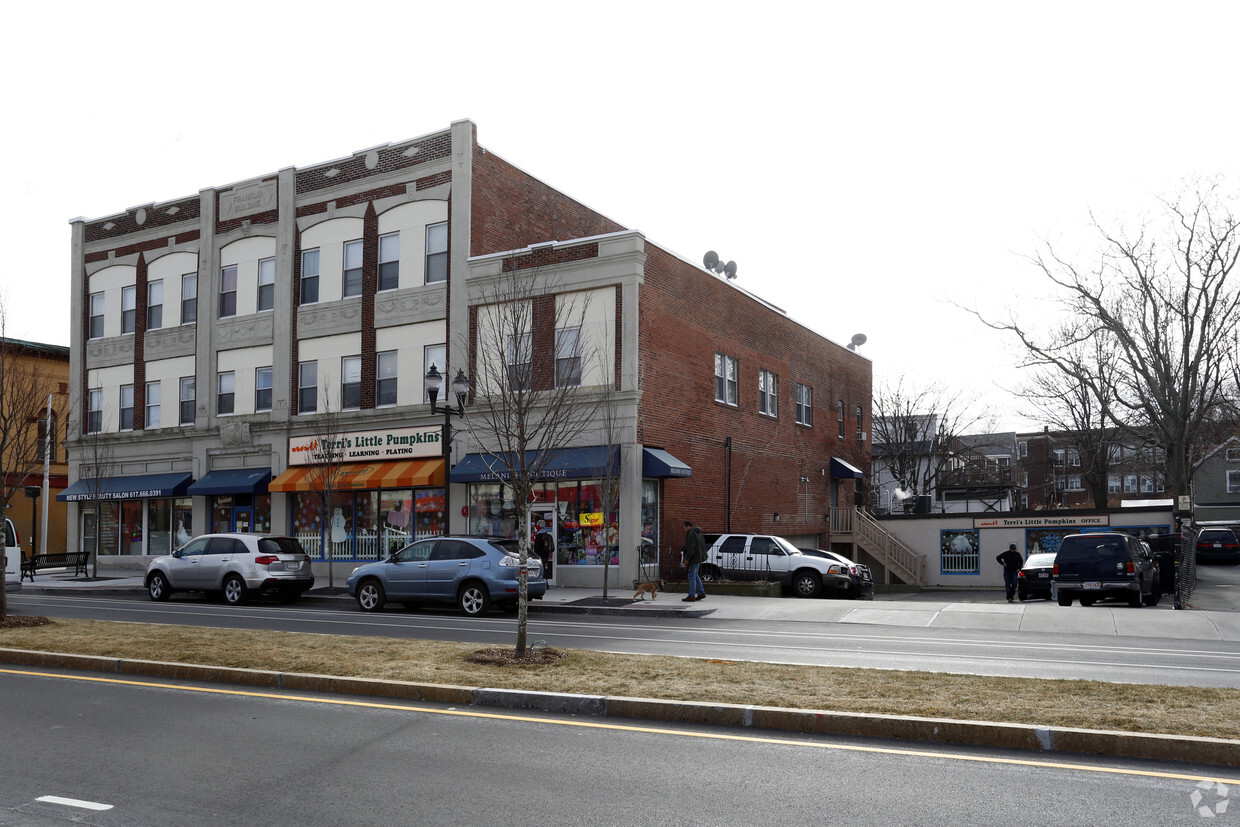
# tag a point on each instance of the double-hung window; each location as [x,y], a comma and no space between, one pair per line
[352,284]
[1113,484]
[385,379]
[520,360]
[96,316]
[351,383]
[725,379]
[768,393]
[226,392]
[389,261]
[154,305]
[1233,482]
[185,401]
[126,407]
[228,292]
[309,276]
[189,298]
[437,252]
[262,389]
[840,411]
[805,405]
[152,404]
[307,387]
[436,356]
[266,284]
[94,411]
[860,416]
[129,309]
[568,357]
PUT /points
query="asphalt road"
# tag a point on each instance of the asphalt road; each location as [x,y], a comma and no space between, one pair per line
[969,651]
[105,751]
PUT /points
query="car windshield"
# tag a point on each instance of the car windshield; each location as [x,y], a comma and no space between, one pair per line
[279,545]
[1040,561]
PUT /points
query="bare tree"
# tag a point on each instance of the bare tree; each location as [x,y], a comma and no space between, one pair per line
[324,461]
[916,433]
[530,404]
[1162,299]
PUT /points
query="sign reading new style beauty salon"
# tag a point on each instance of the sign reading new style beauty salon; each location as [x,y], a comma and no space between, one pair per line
[367,446]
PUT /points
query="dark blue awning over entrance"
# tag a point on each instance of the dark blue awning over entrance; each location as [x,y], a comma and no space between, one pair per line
[841,470]
[234,481]
[570,464]
[659,463]
[126,488]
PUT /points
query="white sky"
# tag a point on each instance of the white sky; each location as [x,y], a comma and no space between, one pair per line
[866,165]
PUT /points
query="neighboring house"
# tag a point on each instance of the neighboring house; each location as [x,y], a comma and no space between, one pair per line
[1216,485]
[907,455]
[1055,473]
[918,470]
[207,328]
[32,371]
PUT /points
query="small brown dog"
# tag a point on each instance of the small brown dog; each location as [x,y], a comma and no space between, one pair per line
[652,587]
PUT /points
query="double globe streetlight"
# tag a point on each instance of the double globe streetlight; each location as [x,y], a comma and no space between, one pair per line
[433,382]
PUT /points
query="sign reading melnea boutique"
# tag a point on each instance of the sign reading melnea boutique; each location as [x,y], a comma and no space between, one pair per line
[365,446]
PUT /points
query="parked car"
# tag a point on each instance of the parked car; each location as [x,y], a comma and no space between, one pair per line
[1035,577]
[764,557]
[12,553]
[861,580]
[1217,545]
[238,566]
[1093,566]
[471,572]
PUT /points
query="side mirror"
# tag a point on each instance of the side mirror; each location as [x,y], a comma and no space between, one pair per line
[176,553]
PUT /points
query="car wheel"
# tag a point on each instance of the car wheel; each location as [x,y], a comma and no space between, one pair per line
[1087,601]
[1021,596]
[1065,599]
[473,599]
[1154,596]
[234,590]
[370,596]
[1134,598]
[157,586]
[709,574]
[807,584]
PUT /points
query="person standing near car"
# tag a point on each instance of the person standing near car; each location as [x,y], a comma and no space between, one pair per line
[695,553]
[1011,562]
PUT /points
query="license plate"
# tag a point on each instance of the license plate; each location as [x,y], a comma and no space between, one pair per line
[1092,585]
[1043,574]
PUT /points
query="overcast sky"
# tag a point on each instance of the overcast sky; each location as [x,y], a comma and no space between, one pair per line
[868,166]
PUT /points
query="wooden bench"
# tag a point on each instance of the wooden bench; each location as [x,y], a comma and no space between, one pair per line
[59,560]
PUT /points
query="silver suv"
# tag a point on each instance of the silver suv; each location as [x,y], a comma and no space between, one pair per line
[237,566]
[764,557]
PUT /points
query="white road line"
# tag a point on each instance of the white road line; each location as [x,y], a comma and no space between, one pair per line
[73,802]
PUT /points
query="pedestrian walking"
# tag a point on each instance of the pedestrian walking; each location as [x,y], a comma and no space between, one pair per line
[1011,562]
[695,553]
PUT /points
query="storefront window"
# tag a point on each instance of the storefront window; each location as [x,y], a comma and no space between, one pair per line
[221,513]
[109,526]
[307,526]
[157,527]
[365,526]
[131,527]
[492,511]
[428,511]
[396,524]
[262,513]
[182,521]
[649,562]
[587,536]
[340,525]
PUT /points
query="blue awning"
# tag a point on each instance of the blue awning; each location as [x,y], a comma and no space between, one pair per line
[659,463]
[235,481]
[569,464]
[841,470]
[126,488]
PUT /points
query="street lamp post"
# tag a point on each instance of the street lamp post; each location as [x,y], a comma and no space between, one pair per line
[33,492]
[432,382]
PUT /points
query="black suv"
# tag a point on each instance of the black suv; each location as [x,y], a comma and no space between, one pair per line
[1090,567]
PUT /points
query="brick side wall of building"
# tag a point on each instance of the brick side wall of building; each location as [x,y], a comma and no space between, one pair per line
[687,316]
[512,210]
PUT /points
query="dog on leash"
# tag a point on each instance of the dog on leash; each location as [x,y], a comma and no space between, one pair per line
[652,587]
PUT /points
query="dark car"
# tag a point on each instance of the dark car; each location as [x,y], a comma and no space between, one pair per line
[860,580]
[1035,577]
[1090,567]
[471,573]
[1217,545]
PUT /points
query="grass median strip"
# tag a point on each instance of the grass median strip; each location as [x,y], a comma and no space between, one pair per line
[1174,710]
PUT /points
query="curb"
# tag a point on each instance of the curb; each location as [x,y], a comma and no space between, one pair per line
[1131,745]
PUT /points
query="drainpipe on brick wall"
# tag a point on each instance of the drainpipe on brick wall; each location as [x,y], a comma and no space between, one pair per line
[727,485]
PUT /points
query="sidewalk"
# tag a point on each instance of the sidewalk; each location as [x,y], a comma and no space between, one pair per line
[983,609]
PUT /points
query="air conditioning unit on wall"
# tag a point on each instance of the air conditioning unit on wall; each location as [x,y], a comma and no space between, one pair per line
[861,435]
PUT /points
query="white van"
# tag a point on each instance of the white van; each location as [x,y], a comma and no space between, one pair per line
[12,553]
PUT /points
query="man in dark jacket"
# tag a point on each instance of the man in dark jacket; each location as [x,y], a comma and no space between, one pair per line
[1012,563]
[695,554]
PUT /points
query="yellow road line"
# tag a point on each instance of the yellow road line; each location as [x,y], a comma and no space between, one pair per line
[754,739]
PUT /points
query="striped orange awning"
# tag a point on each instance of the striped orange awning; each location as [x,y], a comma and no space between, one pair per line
[365,476]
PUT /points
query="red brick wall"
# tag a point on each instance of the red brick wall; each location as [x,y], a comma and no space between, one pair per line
[688,315]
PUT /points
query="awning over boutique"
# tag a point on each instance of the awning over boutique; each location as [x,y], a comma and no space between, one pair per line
[659,463]
[364,476]
[140,487]
[233,481]
[570,464]
[841,470]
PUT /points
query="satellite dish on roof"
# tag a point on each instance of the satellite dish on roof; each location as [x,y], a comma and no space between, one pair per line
[711,259]
[729,269]
[858,340]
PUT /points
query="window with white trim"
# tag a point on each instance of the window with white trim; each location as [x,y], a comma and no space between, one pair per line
[804,405]
[94,411]
[186,401]
[437,252]
[309,276]
[768,393]
[1233,482]
[126,407]
[152,404]
[129,309]
[840,412]
[1233,454]
[1130,484]
[860,416]
[307,387]
[189,298]
[1022,448]
[568,357]
[351,284]
[520,360]
[262,389]
[389,261]
[351,383]
[385,379]
[725,379]
[1074,483]
[154,305]
[96,316]
[1113,484]
[226,388]
[228,292]
[266,284]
